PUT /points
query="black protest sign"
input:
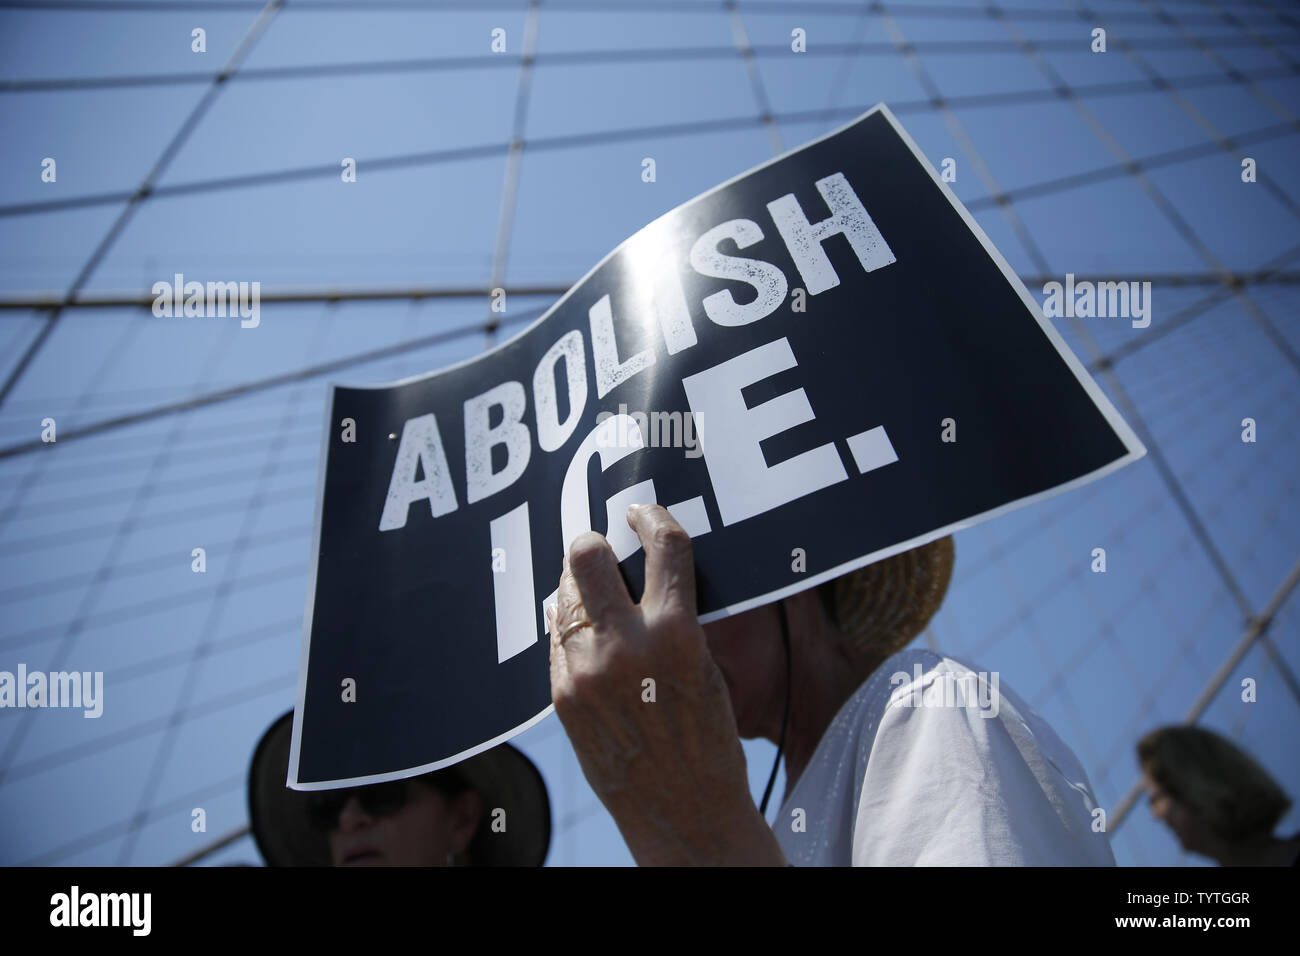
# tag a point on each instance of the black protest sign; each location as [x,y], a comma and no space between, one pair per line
[784,362]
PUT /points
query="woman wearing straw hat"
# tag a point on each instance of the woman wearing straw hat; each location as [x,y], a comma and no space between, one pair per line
[885,764]
[443,818]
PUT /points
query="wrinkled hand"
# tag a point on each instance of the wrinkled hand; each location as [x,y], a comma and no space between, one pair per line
[671,771]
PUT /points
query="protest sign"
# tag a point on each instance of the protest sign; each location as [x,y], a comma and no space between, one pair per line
[813,366]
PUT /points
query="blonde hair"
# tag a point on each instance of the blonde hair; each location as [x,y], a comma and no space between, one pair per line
[1214,779]
[882,607]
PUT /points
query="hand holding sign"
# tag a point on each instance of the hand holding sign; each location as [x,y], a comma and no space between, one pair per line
[670,771]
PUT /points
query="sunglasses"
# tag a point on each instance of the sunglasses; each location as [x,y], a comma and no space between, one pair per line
[377,800]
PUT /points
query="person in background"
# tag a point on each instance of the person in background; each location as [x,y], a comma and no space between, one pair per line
[1215,798]
[443,818]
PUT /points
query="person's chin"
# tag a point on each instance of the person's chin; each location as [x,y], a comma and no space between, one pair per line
[744,728]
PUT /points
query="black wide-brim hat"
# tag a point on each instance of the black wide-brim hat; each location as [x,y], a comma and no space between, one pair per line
[505,778]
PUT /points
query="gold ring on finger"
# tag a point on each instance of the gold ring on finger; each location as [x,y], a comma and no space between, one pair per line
[575,626]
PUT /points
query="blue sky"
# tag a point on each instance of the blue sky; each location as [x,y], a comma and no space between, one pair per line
[96,532]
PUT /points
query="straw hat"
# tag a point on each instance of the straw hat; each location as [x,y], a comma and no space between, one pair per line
[883,606]
[505,778]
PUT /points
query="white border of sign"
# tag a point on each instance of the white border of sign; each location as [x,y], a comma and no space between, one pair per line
[1130,439]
